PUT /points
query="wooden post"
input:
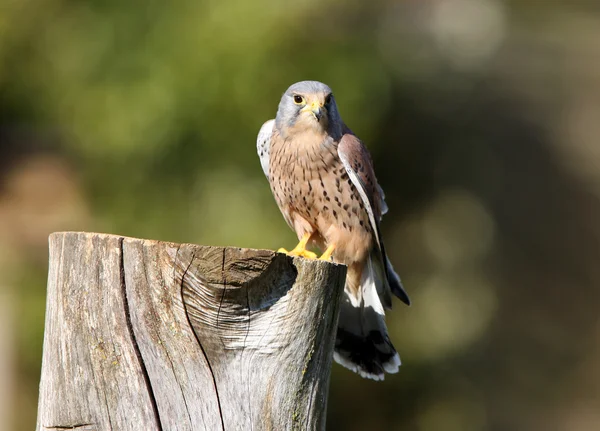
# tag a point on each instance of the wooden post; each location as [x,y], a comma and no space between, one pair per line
[150,335]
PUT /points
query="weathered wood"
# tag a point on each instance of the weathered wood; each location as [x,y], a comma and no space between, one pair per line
[149,335]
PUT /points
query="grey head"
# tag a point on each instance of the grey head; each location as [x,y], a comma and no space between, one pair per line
[308,105]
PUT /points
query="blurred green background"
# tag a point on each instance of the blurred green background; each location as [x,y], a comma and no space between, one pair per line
[482,116]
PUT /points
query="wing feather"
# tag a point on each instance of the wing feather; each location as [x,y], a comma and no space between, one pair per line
[357,162]
[263,145]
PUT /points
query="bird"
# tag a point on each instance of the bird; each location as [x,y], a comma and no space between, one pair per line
[322,178]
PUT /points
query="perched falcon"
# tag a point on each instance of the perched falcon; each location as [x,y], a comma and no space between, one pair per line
[323,181]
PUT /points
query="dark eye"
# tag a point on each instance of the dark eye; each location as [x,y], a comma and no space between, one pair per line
[328,99]
[298,99]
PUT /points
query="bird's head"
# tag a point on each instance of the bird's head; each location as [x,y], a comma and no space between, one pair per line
[308,105]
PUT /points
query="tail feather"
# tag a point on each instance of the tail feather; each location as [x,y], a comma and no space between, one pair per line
[363,344]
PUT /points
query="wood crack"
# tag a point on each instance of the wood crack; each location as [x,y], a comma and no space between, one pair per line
[67,427]
[200,344]
[224,283]
[133,337]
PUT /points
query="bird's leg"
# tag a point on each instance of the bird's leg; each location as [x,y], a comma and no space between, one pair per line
[300,249]
[328,253]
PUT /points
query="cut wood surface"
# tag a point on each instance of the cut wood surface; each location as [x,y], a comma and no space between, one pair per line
[151,335]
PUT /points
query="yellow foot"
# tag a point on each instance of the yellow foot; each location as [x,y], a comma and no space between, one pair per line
[328,253]
[303,253]
[300,249]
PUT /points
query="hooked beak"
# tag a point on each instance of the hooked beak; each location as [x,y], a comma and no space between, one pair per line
[315,108]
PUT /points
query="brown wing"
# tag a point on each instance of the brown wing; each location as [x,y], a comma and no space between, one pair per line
[359,166]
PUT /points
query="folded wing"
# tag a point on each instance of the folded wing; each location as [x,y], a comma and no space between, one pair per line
[359,166]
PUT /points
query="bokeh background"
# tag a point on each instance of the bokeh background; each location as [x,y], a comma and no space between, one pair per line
[482,116]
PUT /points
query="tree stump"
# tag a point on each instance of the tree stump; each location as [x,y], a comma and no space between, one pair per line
[150,335]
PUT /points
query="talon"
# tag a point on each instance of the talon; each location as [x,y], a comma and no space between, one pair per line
[303,253]
[282,250]
[328,253]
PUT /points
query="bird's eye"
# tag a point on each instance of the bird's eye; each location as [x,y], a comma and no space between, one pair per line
[298,100]
[328,99]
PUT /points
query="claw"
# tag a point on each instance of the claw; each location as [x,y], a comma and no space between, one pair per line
[303,253]
[328,253]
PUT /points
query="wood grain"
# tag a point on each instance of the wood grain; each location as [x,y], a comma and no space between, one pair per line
[150,335]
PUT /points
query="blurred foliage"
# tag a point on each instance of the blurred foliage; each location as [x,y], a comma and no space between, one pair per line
[139,118]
